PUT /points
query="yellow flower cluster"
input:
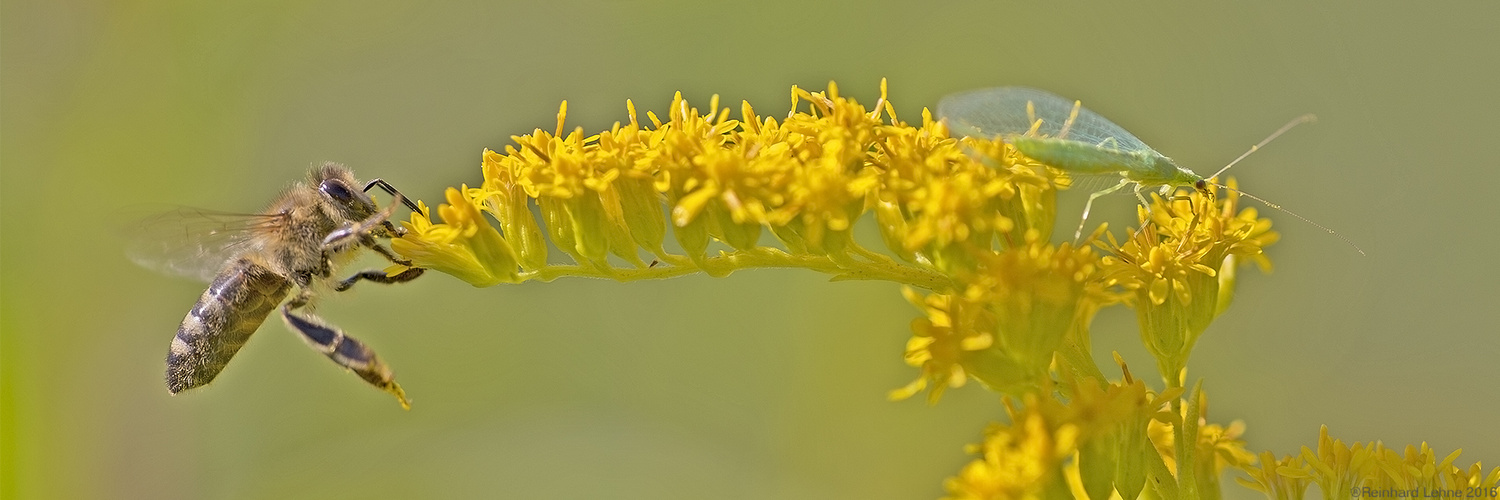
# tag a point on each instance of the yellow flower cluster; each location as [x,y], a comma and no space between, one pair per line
[605,200]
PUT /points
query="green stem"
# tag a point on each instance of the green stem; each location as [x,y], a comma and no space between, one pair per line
[1183,444]
[1187,445]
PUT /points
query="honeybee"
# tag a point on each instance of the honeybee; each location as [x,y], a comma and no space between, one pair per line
[255,261]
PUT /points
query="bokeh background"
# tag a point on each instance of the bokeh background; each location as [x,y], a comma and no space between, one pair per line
[766,384]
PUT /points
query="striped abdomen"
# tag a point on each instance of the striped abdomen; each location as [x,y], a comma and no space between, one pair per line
[234,305]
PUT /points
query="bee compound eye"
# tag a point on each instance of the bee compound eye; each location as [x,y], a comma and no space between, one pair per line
[336,190]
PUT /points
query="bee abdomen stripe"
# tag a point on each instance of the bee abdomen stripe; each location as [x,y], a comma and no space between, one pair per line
[221,322]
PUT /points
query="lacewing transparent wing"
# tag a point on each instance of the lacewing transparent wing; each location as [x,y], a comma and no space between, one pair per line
[1009,112]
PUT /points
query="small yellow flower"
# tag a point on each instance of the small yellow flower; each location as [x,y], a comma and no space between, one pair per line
[1180,266]
[463,245]
[1113,448]
[1219,447]
[939,340]
[503,194]
[1022,460]
[1036,293]
[1284,479]
[1339,469]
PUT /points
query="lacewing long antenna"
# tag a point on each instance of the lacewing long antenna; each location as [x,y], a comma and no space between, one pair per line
[1295,122]
[1294,214]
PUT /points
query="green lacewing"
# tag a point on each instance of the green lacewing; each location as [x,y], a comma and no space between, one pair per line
[1061,133]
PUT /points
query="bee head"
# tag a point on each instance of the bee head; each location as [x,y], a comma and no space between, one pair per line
[337,185]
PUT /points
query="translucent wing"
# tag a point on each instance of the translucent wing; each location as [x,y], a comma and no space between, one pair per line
[193,242]
[1002,112]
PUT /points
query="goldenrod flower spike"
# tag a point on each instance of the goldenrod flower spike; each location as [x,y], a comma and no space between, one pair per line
[965,226]
[600,198]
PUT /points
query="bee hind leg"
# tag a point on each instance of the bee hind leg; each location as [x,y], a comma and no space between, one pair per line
[347,351]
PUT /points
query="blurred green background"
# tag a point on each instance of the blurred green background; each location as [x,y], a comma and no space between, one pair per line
[767,384]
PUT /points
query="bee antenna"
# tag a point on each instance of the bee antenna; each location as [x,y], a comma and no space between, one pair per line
[389,189]
[1295,122]
[1294,214]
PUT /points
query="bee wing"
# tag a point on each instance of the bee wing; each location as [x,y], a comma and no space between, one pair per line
[194,242]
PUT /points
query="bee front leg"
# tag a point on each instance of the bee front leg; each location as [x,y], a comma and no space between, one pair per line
[347,351]
[358,231]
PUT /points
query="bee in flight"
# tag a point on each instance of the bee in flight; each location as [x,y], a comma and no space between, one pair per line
[255,261]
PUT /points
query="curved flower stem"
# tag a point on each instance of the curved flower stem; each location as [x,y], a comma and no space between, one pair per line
[878,267]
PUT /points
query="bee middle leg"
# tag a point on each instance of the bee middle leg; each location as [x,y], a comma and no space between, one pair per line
[347,351]
[378,276]
[383,251]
